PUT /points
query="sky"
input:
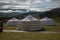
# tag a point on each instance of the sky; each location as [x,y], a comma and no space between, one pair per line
[39,5]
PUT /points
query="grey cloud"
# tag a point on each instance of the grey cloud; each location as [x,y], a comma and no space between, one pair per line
[46,5]
[54,3]
[55,0]
[23,0]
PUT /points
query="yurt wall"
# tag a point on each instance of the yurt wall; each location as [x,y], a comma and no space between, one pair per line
[33,25]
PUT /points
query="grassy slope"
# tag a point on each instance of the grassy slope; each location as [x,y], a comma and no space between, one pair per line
[29,36]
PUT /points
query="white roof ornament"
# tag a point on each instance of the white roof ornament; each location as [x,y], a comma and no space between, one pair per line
[13,18]
[30,17]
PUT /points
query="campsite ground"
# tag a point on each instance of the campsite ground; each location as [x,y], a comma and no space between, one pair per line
[29,36]
[32,35]
[55,28]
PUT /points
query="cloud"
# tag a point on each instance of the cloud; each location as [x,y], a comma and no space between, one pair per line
[30,4]
[55,0]
[43,5]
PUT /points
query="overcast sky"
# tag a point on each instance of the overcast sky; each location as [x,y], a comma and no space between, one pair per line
[30,4]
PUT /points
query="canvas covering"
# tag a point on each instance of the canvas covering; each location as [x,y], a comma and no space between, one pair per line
[12,22]
[47,21]
[29,23]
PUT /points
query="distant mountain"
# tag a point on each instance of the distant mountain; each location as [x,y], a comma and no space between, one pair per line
[55,12]
[52,13]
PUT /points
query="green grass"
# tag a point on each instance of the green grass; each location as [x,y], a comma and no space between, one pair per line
[55,28]
[29,36]
[5,27]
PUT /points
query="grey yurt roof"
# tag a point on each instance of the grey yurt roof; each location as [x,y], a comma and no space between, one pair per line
[30,18]
[46,19]
[13,19]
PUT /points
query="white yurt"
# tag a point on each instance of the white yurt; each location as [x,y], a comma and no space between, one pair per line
[12,22]
[47,21]
[29,24]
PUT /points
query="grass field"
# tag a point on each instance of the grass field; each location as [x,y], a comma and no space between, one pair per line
[29,36]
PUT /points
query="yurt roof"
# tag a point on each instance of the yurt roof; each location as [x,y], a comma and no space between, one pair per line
[30,18]
[13,19]
[46,19]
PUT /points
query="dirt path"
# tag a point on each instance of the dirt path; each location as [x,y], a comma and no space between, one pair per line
[12,31]
[26,31]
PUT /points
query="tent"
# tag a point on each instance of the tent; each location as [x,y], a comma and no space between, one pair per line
[30,24]
[12,22]
[47,21]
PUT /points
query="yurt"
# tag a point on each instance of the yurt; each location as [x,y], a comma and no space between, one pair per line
[12,22]
[47,21]
[29,23]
